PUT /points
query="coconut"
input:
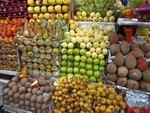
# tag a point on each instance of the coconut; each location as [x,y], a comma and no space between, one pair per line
[40,42]
[42,56]
[35,49]
[48,42]
[48,56]
[42,49]
[48,49]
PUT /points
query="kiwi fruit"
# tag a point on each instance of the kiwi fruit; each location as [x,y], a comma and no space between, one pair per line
[11,99]
[22,89]
[137,54]
[39,92]
[114,49]
[134,45]
[6,102]
[39,110]
[130,61]
[46,99]
[29,90]
[32,104]
[34,91]
[47,89]
[10,93]
[146,75]
[22,96]
[38,105]
[132,84]
[21,102]
[16,95]
[125,48]
[145,47]
[51,82]
[11,84]
[5,91]
[113,37]
[111,68]
[28,96]
[15,88]
[145,86]
[122,71]
[15,79]
[44,106]
[135,74]
[33,98]
[17,100]
[119,59]
[122,81]
[28,84]
[33,109]
[121,37]
[39,98]
[23,81]
[52,89]
[147,54]
[27,108]
[112,77]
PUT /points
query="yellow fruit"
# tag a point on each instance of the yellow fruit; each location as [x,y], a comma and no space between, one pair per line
[100,89]
[84,14]
[57,8]
[114,102]
[37,2]
[65,8]
[66,1]
[108,101]
[117,108]
[99,84]
[59,16]
[59,1]
[108,110]
[103,100]
[102,108]
[30,2]
[118,97]
[51,2]
[47,16]
[111,107]
[71,22]
[50,9]
[30,9]
[122,104]
[90,86]
[37,9]
[41,16]
[45,2]
[75,17]
[66,16]
[43,9]
[35,16]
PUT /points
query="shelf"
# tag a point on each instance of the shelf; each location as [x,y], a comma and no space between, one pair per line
[14,110]
[11,73]
[132,22]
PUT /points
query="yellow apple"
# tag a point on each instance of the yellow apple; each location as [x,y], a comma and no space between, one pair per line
[78,13]
[51,2]
[43,9]
[66,1]
[38,2]
[59,16]
[41,16]
[57,8]
[83,13]
[75,17]
[59,1]
[50,20]
[45,2]
[47,16]
[65,8]
[71,22]
[50,9]
[30,9]
[35,16]
[30,2]
[66,16]
[37,9]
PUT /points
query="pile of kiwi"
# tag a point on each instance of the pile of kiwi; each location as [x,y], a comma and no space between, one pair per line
[124,70]
[22,94]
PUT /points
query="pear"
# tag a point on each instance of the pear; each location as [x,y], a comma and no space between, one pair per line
[35,49]
[48,42]
[45,62]
[46,34]
[29,65]
[35,65]
[29,48]
[40,61]
[35,60]
[31,33]
[48,49]
[37,55]
[33,42]
[36,72]
[40,42]
[41,67]
[28,60]
[20,32]
[27,42]
[42,56]
[53,33]
[25,32]
[48,56]
[20,47]
[60,34]
[42,49]
[49,27]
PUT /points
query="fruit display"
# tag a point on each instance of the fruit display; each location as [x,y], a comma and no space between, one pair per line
[29,93]
[130,65]
[84,51]
[137,109]
[8,52]
[96,10]
[38,43]
[13,9]
[49,9]
[78,95]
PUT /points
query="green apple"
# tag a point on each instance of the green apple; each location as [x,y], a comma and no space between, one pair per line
[101,56]
[89,60]
[82,64]
[105,51]
[85,76]
[64,57]
[63,74]
[77,58]
[102,62]
[63,69]
[82,45]
[93,79]
[97,74]
[63,63]
[69,70]
[88,54]
[89,66]
[69,75]
[76,64]
[96,61]
[76,70]
[83,58]
[70,45]
[82,71]
[96,44]
[70,57]
[89,72]
[83,51]
[101,69]
[77,75]
[95,67]
[70,51]
[70,64]
[63,50]
[64,44]
[76,51]
[68,39]
[94,55]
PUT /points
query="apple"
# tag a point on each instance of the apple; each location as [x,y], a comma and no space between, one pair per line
[82,45]
[76,70]
[83,14]
[89,66]
[82,71]
[69,75]
[101,56]
[96,44]
[65,8]
[101,69]
[86,39]
[102,62]
[85,76]
[88,54]
[37,9]
[77,58]
[93,79]
[89,72]
[63,69]
[89,60]
[64,44]
[73,40]
[97,74]
[57,8]
[77,75]
[70,51]
[59,1]
[76,51]
[70,57]
[103,45]
[94,55]
[51,2]
[109,13]
[63,63]
[89,45]
[50,9]
[79,40]
[97,14]
[66,16]
[92,14]
[112,19]
[70,45]
[83,58]
[64,57]
[82,65]
[63,50]
[96,61]
[47,16]
[92,49]
[69,70]
[98,50]
[83,52]
[70,64]
[76,64]
[105,38]
[95,67]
